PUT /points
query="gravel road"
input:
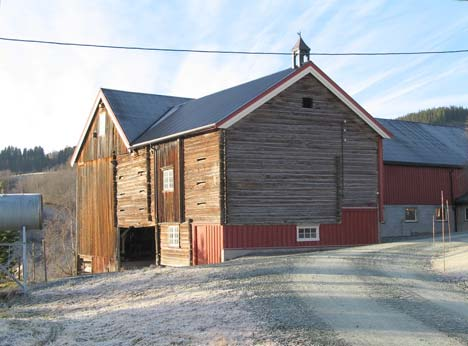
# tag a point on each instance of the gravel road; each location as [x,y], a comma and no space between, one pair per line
[385,294]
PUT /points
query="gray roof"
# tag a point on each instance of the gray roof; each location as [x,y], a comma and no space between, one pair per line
[138,111]
[425,145]
[210,109]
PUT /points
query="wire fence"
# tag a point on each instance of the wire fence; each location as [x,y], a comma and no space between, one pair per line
[12,264]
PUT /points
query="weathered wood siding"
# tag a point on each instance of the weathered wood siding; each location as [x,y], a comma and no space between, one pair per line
[96,196]
[176,255]
[289,164]
[98,147]
[202,178]
[95,210]
[134,192]
[168,155]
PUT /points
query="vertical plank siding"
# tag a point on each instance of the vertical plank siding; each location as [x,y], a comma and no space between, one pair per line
[418,185]
[96,196]
[202,178]
[95,205]
[359,227]
[134,175]
[176,255]
[207,243]
[168,201]
[281,160]
[98,147]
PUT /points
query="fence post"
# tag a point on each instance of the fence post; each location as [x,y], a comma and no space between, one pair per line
[45,259]
[25,261]
[33,255]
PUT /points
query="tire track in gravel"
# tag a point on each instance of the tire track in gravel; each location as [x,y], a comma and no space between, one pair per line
[402,282]
[281,314]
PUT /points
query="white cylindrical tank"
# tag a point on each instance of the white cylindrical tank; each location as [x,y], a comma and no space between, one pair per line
[18,210]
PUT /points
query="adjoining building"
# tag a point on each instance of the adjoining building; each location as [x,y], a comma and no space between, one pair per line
[286,161]
[420,161]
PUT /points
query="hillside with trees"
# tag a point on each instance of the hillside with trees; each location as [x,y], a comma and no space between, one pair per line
[452,116]
[18,160]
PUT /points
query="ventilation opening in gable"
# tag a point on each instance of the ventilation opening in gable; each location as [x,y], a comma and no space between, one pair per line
[307,102]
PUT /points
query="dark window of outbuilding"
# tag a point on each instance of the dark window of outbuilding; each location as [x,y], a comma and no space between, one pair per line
[466,214]
[307,102]
[439,213]
[410,215]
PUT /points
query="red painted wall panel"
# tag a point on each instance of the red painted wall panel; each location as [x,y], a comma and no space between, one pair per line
[417,185]
[207,242]
[358,227]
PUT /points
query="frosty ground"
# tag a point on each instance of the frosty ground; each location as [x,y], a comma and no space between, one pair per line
[392,293]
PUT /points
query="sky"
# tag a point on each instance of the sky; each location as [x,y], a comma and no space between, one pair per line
[46,92]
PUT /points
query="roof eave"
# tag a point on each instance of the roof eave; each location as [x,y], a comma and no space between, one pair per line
[175,135]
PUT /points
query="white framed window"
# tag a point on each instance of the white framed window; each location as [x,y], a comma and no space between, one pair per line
[466,214]
[411,215]
[102,124]
[174,235]
[168,179]
[308,233]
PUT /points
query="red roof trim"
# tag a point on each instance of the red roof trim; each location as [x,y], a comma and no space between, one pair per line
[258,97]
[345,94]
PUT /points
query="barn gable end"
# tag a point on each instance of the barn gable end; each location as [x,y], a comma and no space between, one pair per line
[289,162]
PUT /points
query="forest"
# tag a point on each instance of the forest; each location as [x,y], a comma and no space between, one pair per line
[452,116]
[19,161]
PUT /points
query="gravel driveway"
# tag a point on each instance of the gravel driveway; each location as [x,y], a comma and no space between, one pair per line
[383,294]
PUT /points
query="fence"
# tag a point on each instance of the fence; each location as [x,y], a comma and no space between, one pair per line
[12,266]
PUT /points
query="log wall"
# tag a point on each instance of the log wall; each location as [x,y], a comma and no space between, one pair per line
[287,164]
[202,178]
[134,189]
[176,255]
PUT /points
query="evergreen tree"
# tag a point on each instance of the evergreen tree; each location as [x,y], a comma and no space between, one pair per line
[453,116]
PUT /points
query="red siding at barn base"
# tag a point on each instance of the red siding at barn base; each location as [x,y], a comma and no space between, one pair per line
[359,227]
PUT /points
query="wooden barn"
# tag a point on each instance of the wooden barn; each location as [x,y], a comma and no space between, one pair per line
[420,161]
[285,161]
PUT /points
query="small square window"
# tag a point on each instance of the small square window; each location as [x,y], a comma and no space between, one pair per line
[168,179]
[174,236]
[411,215]
[308,233]
[307,102]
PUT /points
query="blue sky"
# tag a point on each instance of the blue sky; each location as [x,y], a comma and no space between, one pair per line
[46,92]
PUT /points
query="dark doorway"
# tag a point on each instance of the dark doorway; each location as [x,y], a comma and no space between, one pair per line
[137,247]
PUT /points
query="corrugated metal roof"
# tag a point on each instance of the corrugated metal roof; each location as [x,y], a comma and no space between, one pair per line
[138,111]
[210,109]
[424,144]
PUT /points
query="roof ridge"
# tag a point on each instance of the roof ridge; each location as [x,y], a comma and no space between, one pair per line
[142,93]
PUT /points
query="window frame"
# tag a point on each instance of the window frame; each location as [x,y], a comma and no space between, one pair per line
[415,214]
[101,131]
[304,228]
[168,187]
[173,236]
[444,211]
